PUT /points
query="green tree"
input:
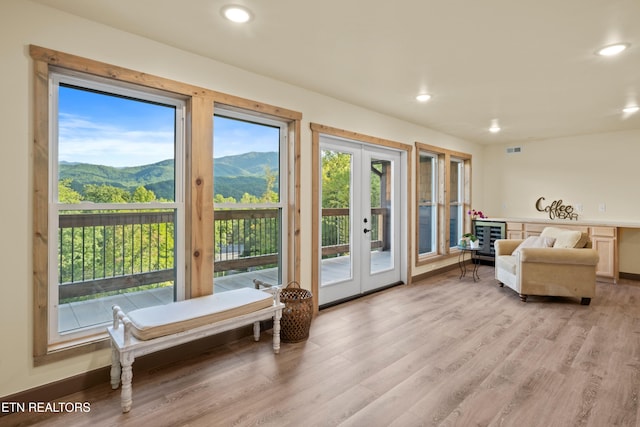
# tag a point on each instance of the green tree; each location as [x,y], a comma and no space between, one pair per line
[142,195]
[106,194]
[219,198]
[336,179]
[270,196]
[66,194]
[249,199]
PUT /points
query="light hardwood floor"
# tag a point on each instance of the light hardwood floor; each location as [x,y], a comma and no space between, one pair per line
[441,352]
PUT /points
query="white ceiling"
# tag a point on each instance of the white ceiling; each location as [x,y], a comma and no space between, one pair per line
[530,64]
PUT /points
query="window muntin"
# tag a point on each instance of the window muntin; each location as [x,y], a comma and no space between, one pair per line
[250,199]
[112,149]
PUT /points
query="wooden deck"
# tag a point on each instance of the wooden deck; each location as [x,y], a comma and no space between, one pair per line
[89,313]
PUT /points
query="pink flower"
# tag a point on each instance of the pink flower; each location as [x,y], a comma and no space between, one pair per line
[476,214]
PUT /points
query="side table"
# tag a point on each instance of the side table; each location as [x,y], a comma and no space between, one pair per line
[463,266]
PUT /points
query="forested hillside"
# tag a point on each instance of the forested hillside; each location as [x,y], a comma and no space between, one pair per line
[234,176]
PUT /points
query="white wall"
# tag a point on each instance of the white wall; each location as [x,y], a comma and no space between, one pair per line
[586,170]
[22,23]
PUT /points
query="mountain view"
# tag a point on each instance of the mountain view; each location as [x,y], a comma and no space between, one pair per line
[233,175]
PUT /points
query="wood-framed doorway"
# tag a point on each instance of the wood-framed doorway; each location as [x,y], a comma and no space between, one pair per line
[405,185]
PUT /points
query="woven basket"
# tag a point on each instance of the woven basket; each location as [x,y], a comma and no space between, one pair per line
[297,313]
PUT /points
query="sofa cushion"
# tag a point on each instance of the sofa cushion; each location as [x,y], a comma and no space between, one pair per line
[507,263]
[535,242]
[565,238]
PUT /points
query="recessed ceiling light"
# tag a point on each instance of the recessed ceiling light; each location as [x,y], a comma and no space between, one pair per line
[494,129]
[631,109]
[423,97]
[235,13]
[612,49]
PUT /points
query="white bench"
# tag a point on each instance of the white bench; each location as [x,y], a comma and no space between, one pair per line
[151,329]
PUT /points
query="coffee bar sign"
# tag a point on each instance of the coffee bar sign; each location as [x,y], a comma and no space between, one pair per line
[556,209]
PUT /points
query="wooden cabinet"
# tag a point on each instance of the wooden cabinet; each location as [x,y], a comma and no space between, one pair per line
[515,230]
[605,241]
[534,229]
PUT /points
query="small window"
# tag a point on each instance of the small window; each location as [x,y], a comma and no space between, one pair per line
[427,202]
[443,195]
[456,201]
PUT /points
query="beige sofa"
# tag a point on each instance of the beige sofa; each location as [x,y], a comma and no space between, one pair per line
[559,262]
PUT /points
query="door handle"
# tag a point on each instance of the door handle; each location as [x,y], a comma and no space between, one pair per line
[366,230]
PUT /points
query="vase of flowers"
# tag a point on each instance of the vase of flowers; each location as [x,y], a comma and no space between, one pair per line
[474,243]
[474,214]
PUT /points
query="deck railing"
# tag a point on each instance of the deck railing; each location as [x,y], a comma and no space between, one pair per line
[245,238]
[336,225]
[103,252]
[107,252]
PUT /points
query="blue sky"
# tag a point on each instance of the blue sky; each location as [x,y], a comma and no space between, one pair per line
[107,130]
[234,136]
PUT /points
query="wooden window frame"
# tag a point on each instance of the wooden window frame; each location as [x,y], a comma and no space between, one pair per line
[444,157]
[285,167]
[198,182]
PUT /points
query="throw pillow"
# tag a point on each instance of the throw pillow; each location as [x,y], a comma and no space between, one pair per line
[535,242]
[564,238]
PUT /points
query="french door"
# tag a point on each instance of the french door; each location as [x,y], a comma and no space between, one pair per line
[361,213]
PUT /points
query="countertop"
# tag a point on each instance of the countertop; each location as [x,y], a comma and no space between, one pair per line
[579,222]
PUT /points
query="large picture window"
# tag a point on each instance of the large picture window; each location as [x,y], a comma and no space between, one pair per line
[123,190]
[443,195]
[116,203]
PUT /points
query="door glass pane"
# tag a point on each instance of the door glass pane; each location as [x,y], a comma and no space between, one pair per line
[380,220]
[336,216]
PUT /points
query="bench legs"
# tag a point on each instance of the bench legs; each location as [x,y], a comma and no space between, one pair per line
[115,368]
[276,331]
[122,363]
[126,396]
[122,371]
[256,331]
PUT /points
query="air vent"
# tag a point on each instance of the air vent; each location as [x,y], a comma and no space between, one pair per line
[512,150]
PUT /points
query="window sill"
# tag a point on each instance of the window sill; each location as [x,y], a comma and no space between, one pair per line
[431,258]
[69,349]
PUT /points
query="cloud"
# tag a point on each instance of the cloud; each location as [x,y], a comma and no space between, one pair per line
[86,141]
